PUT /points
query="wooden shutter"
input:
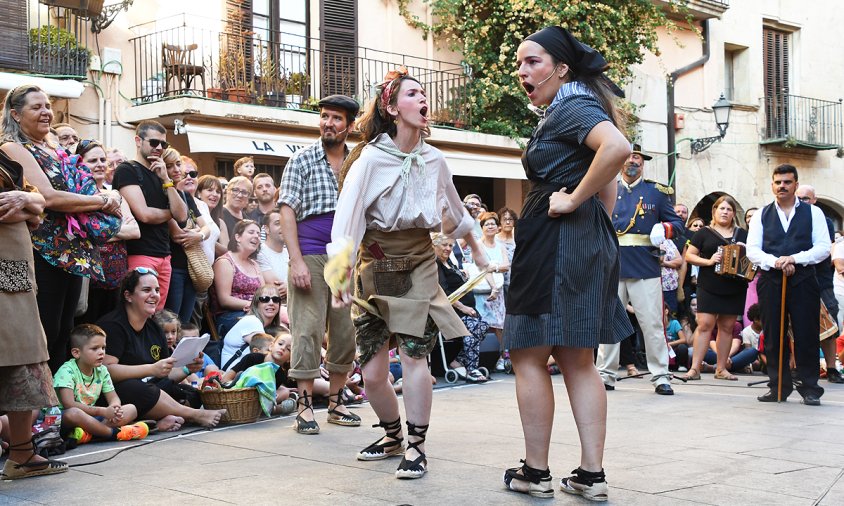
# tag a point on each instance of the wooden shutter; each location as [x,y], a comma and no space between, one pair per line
[13,24]
[238,39]
[776,63]
[338,19]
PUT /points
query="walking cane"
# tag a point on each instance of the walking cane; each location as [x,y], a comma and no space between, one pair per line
[782,334]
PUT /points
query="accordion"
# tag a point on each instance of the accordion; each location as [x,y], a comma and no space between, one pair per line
[734,263]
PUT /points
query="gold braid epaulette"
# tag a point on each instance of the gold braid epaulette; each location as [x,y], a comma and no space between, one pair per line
[661,187]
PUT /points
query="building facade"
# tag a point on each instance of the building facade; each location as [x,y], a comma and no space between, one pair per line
[777,63]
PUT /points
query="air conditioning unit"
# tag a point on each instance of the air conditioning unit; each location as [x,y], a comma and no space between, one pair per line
[84,8]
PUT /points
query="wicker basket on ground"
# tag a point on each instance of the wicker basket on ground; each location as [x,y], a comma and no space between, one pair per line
[242,405]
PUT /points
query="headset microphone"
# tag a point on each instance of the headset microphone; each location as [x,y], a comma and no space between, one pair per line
[547,78]
[341,132]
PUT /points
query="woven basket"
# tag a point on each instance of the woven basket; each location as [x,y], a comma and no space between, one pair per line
[242,404]
[200,271]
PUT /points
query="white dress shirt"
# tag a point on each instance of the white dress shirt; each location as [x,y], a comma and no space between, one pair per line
[820,238]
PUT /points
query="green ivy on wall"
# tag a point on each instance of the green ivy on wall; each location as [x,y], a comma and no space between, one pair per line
[488,33]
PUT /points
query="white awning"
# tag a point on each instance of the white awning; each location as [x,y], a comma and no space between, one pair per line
[213,139]
[209,139]
[64,88]
[477,165]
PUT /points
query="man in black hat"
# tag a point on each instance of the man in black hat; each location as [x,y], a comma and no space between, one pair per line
[643,218]
[308,197]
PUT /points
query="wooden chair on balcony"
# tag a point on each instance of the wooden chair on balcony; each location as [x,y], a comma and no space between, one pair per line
[178,63]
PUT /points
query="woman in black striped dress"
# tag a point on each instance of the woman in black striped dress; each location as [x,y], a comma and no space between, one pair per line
[563,297]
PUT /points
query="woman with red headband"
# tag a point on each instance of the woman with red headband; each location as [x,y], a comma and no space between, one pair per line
[397,190]
[563,297]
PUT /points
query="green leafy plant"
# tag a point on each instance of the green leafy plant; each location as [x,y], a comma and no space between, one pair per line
[488,33]
[298,84]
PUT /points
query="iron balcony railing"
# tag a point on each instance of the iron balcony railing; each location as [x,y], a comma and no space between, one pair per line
[803,121]
[287,71]
[40,39]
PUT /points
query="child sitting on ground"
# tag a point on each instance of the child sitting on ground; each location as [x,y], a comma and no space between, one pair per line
[80,381]
[190,329]
[279,354]
[174,331]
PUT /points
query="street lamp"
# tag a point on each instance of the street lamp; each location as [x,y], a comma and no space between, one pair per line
[721,108]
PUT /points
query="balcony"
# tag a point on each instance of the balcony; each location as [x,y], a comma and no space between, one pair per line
[801,122]
[287,71]
[50,41]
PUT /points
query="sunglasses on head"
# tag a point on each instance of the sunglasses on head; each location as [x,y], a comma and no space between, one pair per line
[146,270]
[192,174]
[154,143]
[267,298]
[83,145]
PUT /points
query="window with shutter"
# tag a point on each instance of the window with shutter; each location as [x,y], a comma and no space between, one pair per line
[338,19]
[13,24]
[237,44]
[776,63]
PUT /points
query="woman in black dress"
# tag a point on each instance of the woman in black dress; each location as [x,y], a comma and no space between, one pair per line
[563,298]
[720,299]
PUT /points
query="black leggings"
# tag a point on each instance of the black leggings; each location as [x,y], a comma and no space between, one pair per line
[58,296]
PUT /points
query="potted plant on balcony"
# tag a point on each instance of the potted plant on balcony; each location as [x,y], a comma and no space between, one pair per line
[231,71]
[55,51]
[297,89]
[270,82]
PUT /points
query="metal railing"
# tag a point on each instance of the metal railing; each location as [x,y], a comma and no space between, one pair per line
[192,61]
[803,120]
[58,42]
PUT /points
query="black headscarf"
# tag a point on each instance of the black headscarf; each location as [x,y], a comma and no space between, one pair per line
[582,59]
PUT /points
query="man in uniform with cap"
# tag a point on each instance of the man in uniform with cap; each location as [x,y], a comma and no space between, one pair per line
[643,218]
[307,198]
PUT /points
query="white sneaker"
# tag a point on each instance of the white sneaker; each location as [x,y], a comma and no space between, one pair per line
[682,369]
[499,366]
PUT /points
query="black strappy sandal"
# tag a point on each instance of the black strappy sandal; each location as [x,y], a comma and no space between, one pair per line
[419,466]
[529,480]
[385,449]
[15,471]
[334,416]
[303,426]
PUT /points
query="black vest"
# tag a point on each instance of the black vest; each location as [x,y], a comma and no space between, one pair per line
[776,241]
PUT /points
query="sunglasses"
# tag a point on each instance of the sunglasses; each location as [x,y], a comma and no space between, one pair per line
[154,143]
[146,270]
[192,174]
[84,144]
[266,298]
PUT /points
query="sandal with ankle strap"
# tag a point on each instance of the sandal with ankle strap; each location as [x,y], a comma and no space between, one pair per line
[304,426]
[384,449]
[334,416]
[419,466]
[587,484]
[15,471]
[528,480]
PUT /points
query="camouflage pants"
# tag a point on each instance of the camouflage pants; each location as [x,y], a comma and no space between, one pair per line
[371,333]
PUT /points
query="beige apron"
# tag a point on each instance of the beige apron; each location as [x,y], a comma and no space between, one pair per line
[406,306]
[22,338]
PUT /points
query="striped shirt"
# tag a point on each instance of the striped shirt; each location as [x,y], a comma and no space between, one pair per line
[308,185]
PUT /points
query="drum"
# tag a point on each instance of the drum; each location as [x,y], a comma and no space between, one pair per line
[734,262]
[829,328]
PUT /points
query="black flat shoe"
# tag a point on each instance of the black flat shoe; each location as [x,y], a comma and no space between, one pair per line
[608,388]
[664,389]
[771,396]
[811,400]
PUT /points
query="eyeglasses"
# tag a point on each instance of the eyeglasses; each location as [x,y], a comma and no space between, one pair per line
[68,137]
[192,174]
[237,192]
[146,270]
[154,143]
[805,199]
[507,219]
[266,298]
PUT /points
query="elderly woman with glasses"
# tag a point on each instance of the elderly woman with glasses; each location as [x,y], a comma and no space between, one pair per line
[263,313]
[238,192]
[138,358]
